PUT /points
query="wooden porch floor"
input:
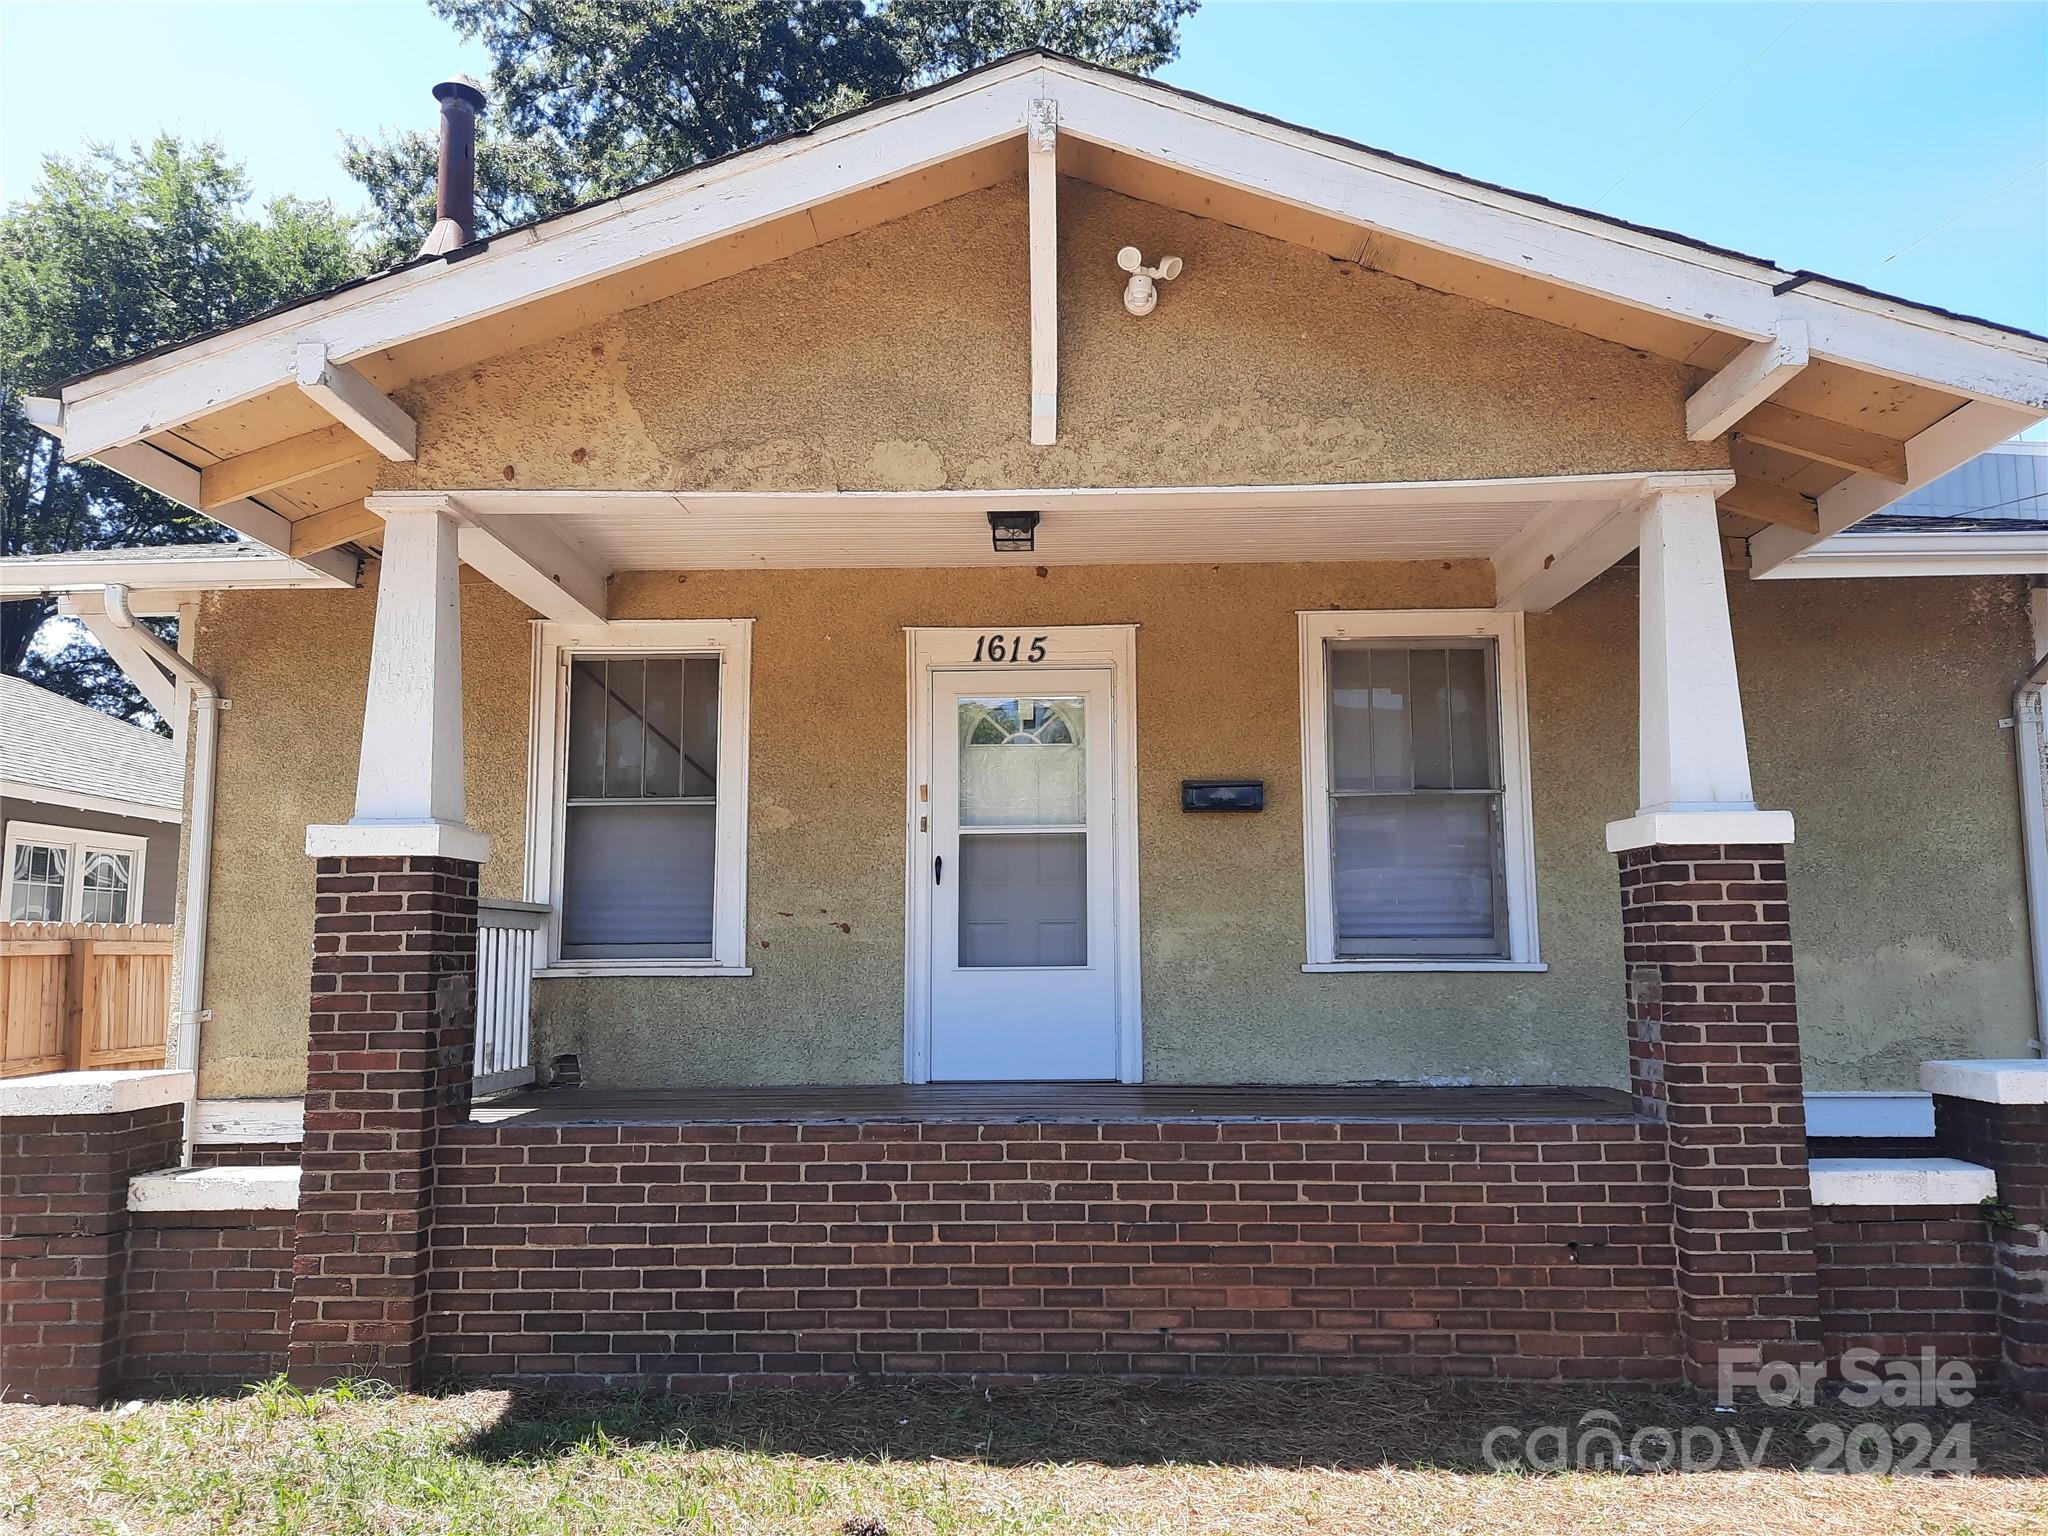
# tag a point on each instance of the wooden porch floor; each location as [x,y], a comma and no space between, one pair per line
[1047,1103]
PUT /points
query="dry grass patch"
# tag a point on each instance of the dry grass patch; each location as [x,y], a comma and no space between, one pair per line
[1062,1459]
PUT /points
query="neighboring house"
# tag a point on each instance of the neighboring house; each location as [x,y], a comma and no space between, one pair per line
[1113,736]
[91,806]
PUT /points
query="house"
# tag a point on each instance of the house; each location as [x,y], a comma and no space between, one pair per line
[90,806]
[1095,734]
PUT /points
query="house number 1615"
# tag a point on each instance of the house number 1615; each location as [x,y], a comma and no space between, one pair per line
[1009,648]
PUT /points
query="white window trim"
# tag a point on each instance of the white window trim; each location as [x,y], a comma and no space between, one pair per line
[731,640]
[1518,838]
[77,840]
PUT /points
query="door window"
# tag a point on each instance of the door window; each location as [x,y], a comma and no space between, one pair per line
[1023,887]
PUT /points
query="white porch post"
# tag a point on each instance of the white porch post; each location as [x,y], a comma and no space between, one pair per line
[1693,781]
[409,778]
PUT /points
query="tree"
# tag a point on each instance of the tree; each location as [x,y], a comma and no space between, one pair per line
[943,38]
[589,100]
[110,255]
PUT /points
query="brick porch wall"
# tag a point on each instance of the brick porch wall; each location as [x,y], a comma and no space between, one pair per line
[1899,1279]
[63,1222]
[708,1256]
[387,1067]
[207,1299]
[1714,1053]
[2012,1141]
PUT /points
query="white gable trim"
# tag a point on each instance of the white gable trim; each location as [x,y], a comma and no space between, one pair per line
[1381,194]
[23,792]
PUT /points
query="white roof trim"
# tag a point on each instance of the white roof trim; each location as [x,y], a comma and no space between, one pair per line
[2023,553]
[140,572]
[22,792]
[1654,273]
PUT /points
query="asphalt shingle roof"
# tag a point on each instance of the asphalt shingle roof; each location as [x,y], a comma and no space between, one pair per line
[48,740]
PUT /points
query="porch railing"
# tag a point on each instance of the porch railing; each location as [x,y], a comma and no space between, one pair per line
[83,996]
[508,941]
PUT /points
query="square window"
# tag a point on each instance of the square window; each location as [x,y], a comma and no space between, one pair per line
[1415,791]
[644,777]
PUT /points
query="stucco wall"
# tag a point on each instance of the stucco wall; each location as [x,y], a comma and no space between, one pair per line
[1874,709]
[897,359]
[294,666]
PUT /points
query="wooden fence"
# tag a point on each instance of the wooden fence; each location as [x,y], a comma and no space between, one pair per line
[83,995]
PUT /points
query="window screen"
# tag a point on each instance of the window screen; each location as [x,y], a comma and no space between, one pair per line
[639,839]
[1415,800]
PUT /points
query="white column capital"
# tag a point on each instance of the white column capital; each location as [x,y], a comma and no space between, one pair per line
[1693,783]
[409,797]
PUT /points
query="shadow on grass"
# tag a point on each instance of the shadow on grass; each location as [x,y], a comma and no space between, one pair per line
[1349,1424]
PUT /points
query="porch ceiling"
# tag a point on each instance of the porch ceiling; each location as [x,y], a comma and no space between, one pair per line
[1422,520]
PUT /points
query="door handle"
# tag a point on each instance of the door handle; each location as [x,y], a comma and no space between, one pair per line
[939,870]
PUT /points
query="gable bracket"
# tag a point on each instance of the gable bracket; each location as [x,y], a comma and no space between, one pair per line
[1756,374]
[1041,135]
[356,403]
[529,560]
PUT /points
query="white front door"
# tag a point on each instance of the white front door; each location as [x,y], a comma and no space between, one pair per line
[1020,855]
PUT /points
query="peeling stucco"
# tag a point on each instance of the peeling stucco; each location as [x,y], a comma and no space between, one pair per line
[897,359]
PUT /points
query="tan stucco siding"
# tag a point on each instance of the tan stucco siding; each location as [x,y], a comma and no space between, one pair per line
[1874,708]
[897,359]
[294,666]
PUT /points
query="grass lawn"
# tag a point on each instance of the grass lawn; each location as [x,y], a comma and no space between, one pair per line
[1377,1455]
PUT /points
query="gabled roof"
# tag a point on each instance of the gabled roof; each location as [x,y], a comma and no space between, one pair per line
[1777,273]
[1913,390]
[51,743]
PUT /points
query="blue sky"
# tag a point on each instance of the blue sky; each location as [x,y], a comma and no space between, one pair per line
[1897,145]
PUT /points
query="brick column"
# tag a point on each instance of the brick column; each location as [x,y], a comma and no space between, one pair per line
[1714,1054]
[1995,1113]
[388,1063]
[69,1144]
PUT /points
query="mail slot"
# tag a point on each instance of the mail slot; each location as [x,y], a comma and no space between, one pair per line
[1223,794]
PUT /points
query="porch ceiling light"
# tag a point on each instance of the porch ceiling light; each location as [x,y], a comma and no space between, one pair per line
[1014,532]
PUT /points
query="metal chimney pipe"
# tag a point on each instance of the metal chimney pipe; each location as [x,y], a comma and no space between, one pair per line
[455,184]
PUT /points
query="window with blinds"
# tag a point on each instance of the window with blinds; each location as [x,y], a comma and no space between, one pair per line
[1415,800]
[639,834]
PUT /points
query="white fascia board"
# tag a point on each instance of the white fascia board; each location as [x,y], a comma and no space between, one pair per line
[1954,440]
[21,791]
[32,577]
[1919,554]
[517,268]
[1649,272]
[1664,276]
